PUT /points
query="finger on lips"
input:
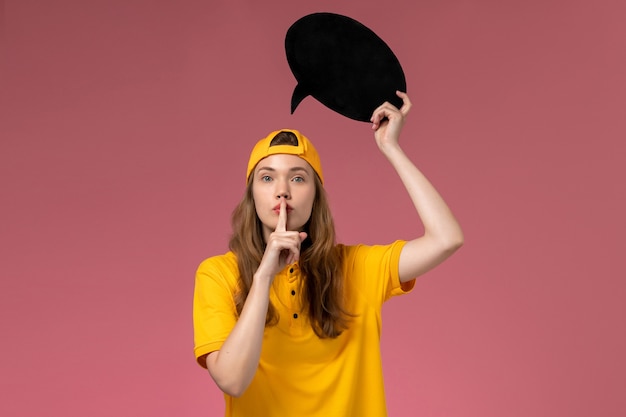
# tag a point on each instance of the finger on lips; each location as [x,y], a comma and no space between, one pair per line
[281,226]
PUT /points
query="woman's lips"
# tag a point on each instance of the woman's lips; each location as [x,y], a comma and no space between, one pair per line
[277,209]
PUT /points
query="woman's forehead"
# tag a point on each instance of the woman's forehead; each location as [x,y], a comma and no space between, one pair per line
[283,162]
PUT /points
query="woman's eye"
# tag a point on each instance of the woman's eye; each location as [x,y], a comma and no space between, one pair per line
[266,178]
[298,179]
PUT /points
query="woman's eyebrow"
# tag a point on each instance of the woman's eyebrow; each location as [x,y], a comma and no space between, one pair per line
[298,169]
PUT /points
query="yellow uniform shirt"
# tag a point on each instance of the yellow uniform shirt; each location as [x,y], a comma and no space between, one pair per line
[300,374]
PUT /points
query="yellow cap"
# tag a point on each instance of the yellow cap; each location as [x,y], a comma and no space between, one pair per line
[304,150]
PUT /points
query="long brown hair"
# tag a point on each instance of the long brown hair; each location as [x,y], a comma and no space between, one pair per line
[320,259]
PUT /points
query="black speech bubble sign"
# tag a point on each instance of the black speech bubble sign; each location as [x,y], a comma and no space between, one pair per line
[342,64]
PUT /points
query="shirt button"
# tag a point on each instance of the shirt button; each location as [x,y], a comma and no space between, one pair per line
[295,316]
[293,292]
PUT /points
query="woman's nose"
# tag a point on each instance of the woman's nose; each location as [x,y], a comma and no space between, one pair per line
[282,190]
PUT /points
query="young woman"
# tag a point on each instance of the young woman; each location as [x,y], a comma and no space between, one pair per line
[288,322]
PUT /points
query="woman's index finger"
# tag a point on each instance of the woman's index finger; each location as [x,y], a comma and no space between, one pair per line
[281,226]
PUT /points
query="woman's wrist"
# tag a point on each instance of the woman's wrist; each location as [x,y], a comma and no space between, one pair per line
[261,282]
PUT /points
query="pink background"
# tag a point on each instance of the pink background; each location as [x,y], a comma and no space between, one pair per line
[124,133]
